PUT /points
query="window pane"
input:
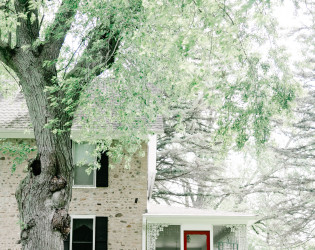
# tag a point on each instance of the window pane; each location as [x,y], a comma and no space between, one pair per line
[66,243]
[196,241]
[169,238]
[82,246]
[82,153]
[81,177]
[82,237]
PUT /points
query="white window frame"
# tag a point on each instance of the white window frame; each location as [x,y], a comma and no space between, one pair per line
[93,171]
[82,217]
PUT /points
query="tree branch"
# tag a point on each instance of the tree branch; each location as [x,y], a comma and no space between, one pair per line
[5,52]
[95,59]
[7,70]
[6,8]
[28,29]
[98,55]
[57,31]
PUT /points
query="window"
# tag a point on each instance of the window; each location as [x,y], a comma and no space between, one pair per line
[82,159]
[169,238]
[88,232]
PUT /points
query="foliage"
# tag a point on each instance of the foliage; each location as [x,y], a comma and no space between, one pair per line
[277,183]
[8,86]
[173,48]
[213,47]
[283,184]
[239,89]
[19,151]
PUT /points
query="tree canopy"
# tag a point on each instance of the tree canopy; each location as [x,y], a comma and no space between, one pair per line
[136,59]
[178,48]
[276,181]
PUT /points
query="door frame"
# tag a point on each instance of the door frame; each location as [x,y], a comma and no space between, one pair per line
[207,233]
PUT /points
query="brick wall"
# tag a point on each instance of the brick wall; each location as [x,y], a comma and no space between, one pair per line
[117,202]
[9,219]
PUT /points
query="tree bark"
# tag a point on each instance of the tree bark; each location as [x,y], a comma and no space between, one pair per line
[43,196]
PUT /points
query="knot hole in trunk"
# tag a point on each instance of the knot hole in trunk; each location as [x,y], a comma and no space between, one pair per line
[35,166]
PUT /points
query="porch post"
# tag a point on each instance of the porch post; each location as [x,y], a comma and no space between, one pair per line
[153,231]
[240,235]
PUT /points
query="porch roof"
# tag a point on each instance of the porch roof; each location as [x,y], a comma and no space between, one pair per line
[165,214]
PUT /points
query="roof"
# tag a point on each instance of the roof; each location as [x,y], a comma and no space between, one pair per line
[16,123]
[181,214]
[14,114]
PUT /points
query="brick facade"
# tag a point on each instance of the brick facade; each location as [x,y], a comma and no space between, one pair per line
[123,202]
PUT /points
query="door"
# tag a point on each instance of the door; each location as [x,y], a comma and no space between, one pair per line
[196,240]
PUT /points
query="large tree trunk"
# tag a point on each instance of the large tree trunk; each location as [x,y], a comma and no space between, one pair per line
[43,196]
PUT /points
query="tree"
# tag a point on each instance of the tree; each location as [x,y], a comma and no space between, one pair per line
[176,48]
[31,49]
[288,182]
[188,161]
[276,183]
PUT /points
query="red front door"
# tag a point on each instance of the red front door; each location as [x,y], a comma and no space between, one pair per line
[197,239]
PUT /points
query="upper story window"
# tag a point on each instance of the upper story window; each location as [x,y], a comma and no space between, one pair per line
[83,159]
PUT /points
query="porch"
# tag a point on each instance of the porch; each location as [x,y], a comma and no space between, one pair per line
[172,228]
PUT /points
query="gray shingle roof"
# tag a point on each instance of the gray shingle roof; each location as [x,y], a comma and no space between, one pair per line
[14,113]
[14,116]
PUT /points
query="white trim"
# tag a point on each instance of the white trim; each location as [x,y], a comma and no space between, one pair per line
[151,164]
[75,133]
[201,220]
[82,217]
[144,233]
[215,220]
[16,133]
[78,186]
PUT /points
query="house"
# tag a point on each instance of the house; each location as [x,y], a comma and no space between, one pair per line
[109,207]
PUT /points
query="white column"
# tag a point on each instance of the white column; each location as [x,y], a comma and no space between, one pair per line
[240,232]
[153,231]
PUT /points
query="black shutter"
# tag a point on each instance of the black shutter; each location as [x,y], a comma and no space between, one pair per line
[101,233]
[66,243]
[102,173]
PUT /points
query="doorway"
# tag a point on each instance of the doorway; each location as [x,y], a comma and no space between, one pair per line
[196,240]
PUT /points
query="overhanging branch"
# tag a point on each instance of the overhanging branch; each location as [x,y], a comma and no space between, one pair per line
[98,55]
[5,53]
[95,59]
[57,31]
[28,29]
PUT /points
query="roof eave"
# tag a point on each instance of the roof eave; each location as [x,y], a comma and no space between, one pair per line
[201,219]
[29,134]
[16,133]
